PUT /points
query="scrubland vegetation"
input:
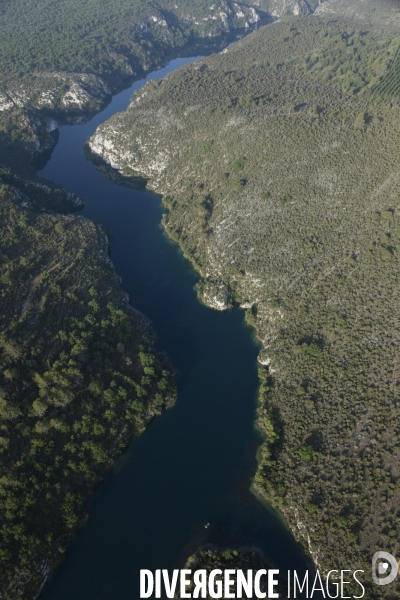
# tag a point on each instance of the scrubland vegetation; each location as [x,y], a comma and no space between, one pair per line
[78,372]
[278,164]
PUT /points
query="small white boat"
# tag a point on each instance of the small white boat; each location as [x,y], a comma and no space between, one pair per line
[207,525]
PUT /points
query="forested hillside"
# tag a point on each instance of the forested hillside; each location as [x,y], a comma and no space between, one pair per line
[73,53]
[78,377]
[278,162]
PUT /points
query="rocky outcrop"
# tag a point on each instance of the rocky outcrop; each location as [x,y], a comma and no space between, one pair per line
[83,90]
[236,14]
[5,102]
[279,8]
[215,295]
[41,127]
[61,91]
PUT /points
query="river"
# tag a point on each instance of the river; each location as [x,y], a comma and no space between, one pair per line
[193,464]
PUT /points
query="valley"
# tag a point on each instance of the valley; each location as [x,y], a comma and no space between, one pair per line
[277,164]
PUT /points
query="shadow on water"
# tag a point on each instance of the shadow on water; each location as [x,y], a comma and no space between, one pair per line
[194,464]
[41,159]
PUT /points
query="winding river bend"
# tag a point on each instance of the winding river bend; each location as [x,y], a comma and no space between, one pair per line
[194,464]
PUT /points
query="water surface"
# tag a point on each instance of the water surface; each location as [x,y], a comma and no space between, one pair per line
[194,464]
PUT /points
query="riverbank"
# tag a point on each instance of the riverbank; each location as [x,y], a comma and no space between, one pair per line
[80,377]
[193,465]
[266,158]
[28,127]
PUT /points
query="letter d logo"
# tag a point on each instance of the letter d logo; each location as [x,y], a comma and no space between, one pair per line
[380,568]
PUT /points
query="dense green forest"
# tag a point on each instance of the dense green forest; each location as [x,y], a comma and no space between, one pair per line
[73,53]
[78,378]
[278,164]
[78,36]
[78,372]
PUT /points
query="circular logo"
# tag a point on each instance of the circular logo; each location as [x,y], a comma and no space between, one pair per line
[381,562]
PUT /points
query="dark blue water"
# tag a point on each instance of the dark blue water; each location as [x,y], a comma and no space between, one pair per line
[194,464]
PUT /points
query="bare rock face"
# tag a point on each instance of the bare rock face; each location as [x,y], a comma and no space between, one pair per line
[342,8]
[279,8]
[215,295]
[5,102]
[236,13]
[40,127]
[61,90]
[83,89]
